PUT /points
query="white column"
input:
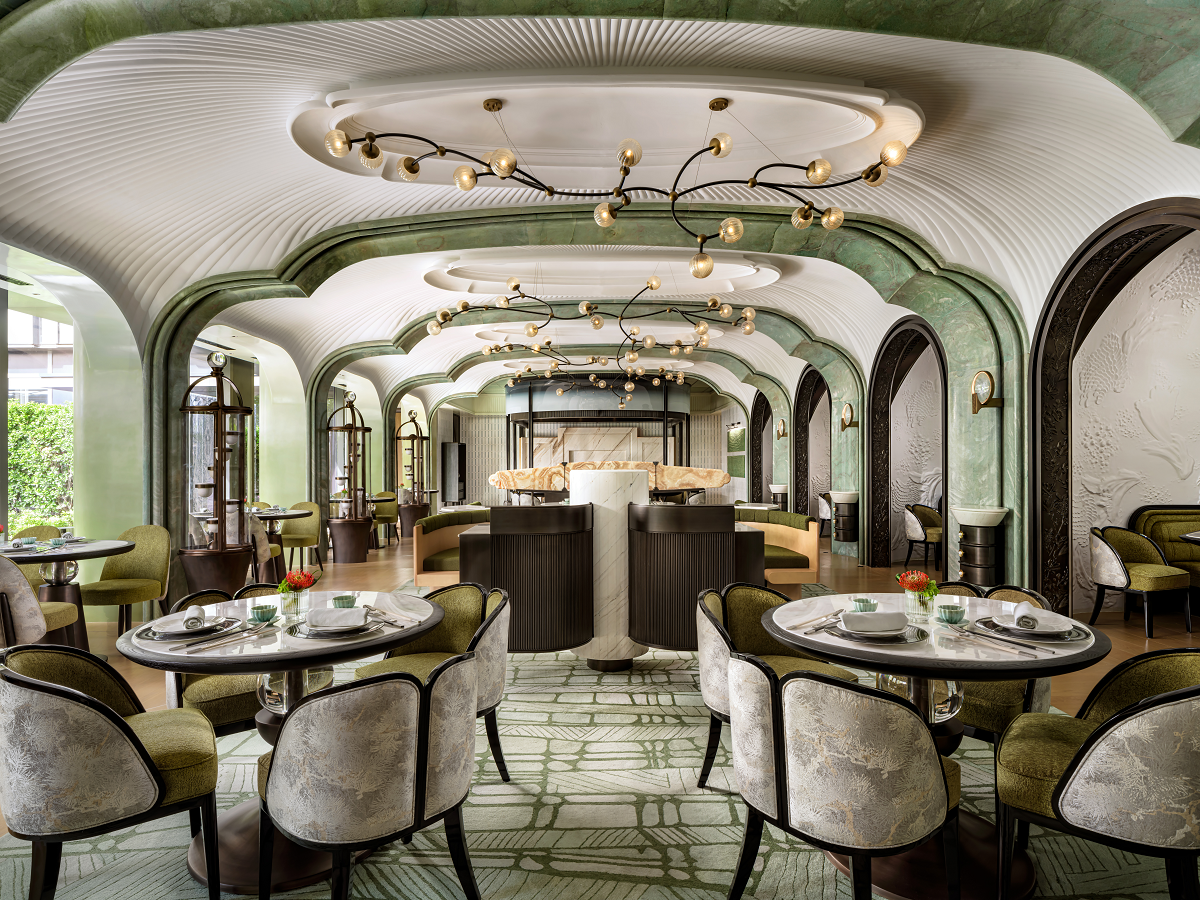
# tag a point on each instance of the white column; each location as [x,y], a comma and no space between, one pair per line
[610,493]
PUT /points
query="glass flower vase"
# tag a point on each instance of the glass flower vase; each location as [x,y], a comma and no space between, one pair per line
[917,606]
[293,603]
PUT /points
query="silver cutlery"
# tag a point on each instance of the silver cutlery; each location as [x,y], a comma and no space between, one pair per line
[219,637]
[980,639]
[821,618]
[1008,640]
[824,623]
[252,634]
[397,618]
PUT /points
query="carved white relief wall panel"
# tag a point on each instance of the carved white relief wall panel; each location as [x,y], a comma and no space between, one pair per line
[916,475]
[1135,426]
[818,453]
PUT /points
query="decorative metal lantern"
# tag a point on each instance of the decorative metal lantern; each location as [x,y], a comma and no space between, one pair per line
[413,459]
[217,549]
[351,509]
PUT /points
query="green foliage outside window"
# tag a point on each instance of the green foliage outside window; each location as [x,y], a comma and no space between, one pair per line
[41,449]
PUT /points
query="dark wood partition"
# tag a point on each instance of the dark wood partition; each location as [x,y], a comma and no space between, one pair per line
[675,552]
[541,555]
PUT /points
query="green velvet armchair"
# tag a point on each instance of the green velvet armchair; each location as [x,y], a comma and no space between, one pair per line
[19,599]
[139,576]
[387,514]
[1124,560]
[302,534]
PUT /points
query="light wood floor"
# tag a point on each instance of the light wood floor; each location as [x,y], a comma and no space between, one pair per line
[391,567]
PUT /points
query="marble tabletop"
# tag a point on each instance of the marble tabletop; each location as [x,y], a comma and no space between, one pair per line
[943,655]
[278,651]
[282,513]
[1191,538]
[75,550]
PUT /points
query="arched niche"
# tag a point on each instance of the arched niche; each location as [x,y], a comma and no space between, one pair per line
[903,345]
[809,393]
[760,422]
[1102,266]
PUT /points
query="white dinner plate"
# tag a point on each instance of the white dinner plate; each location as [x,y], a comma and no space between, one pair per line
[891,632]
[1007,623]
[172,625]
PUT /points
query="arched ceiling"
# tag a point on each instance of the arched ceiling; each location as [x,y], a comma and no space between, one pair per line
[165,159]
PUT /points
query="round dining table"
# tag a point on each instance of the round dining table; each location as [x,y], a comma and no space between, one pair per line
[936,653]
[61,567]
[280,648]
[272,517]
[1192,537]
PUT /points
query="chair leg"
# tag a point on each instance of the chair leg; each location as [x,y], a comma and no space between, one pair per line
[1022,834]
[1149,614]
[493,736]
[292,557]
[1128,605]
[406,838]
[1182,883]
[950,855]
[43,871]
[266,850]
[343,871]
[1005,825]
[1099,603]
[710,752]
[317,553]
[1187,609]
[925,557]
[212,856]
[860,876]
[750,841]
[457,842]
[908,555]
[194,820]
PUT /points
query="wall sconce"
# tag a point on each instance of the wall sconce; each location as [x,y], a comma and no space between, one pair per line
[848,417]
[983,387]
[781,429]
[733,425]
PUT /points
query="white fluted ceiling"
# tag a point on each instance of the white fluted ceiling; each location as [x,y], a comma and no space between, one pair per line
[162,160]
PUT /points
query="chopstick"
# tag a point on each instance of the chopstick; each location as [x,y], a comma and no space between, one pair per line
[244,636]
[836,612]
[1008,640]
[206,640]
[980,639]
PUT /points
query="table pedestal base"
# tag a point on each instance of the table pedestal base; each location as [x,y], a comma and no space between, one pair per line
[610,665]
[920,874]
[292,866]
[68,593]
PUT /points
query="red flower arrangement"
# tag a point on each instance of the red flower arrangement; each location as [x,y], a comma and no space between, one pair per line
[295,581]
[918,582]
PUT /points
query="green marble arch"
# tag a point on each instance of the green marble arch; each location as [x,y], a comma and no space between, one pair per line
[1149,50]
[900,265]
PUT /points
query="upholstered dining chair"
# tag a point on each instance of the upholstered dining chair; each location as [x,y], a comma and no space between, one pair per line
[302,533]
[26,620]
[824,511]
[387,514]
[960,589]
[139,576]
[923,525]
[260,504]
[808,748]
[258,589]
[369,762]
[1124,772]
[476,622]
[1124,560]
[729,622]
[83,758]
[42,533]
[264,551]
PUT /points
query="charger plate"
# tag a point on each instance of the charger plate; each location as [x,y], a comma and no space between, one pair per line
[218,628]
[912,635]
[987,623]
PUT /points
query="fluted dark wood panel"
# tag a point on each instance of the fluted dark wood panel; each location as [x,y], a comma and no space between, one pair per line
[666,573]
[549,582]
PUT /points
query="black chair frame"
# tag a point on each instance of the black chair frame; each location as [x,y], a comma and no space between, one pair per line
[344,854]
[860,860]
[937,545]
[47,854]
[1101,589]
[245,589]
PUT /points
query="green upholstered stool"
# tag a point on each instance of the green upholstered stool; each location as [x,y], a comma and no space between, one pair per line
[1124,560]
[472,621]
[923,525]
[731,623]
[1117,773]
[164,762]
[302,534]
[139,576]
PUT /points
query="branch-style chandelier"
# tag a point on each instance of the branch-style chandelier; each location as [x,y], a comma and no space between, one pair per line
[502,164]
[715,312]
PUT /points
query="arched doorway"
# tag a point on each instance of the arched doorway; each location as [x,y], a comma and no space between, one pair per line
[1104,264]
[760,421]
[903,345]
[809,393]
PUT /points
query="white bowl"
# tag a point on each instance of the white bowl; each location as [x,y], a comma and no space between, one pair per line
[778,488]
[979,516]
[844,496]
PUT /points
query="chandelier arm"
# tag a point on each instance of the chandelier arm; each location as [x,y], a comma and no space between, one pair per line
[700,187]
[688,162]
[808,187]
[675,216]
[649,190]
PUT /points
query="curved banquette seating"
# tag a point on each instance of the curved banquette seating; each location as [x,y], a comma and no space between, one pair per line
[792,544]
[1164,525]
[435,545]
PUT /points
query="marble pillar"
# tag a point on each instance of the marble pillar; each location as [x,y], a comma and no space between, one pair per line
[610,492]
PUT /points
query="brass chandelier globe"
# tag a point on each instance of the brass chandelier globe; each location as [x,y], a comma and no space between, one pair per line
[502,164]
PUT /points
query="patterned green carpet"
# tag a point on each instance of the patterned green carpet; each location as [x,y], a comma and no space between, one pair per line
[603,805]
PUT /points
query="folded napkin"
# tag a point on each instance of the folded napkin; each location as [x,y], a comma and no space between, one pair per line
[873,621]
[193,619]
[1035,618]
[336,618]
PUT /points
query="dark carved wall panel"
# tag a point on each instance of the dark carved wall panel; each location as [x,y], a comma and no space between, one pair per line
[808,394]
[1107,261]
[907,337]
[760,418]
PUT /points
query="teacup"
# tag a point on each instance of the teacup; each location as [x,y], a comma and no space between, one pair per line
[951,613]
[28,540]
[57,542]
[263,613]
[865,604]
[344,602]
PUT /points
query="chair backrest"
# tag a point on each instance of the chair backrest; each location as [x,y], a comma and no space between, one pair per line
[1132,547]
[914,529]
[21,621]
[1135,778]
[927,515]
[41,532]
[149,560]
[201,598]
[78,670]
[1107,568]
[352,764]
[1139,678]
[960,589]
[385,503]
[825,505]
[310,527]
[259,589]
[713,649]
[744,608]
[1011,593]
[490,645]
[260,504]
[753,720]
[862,767]
[70,762]
[463,605]
[258,536]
